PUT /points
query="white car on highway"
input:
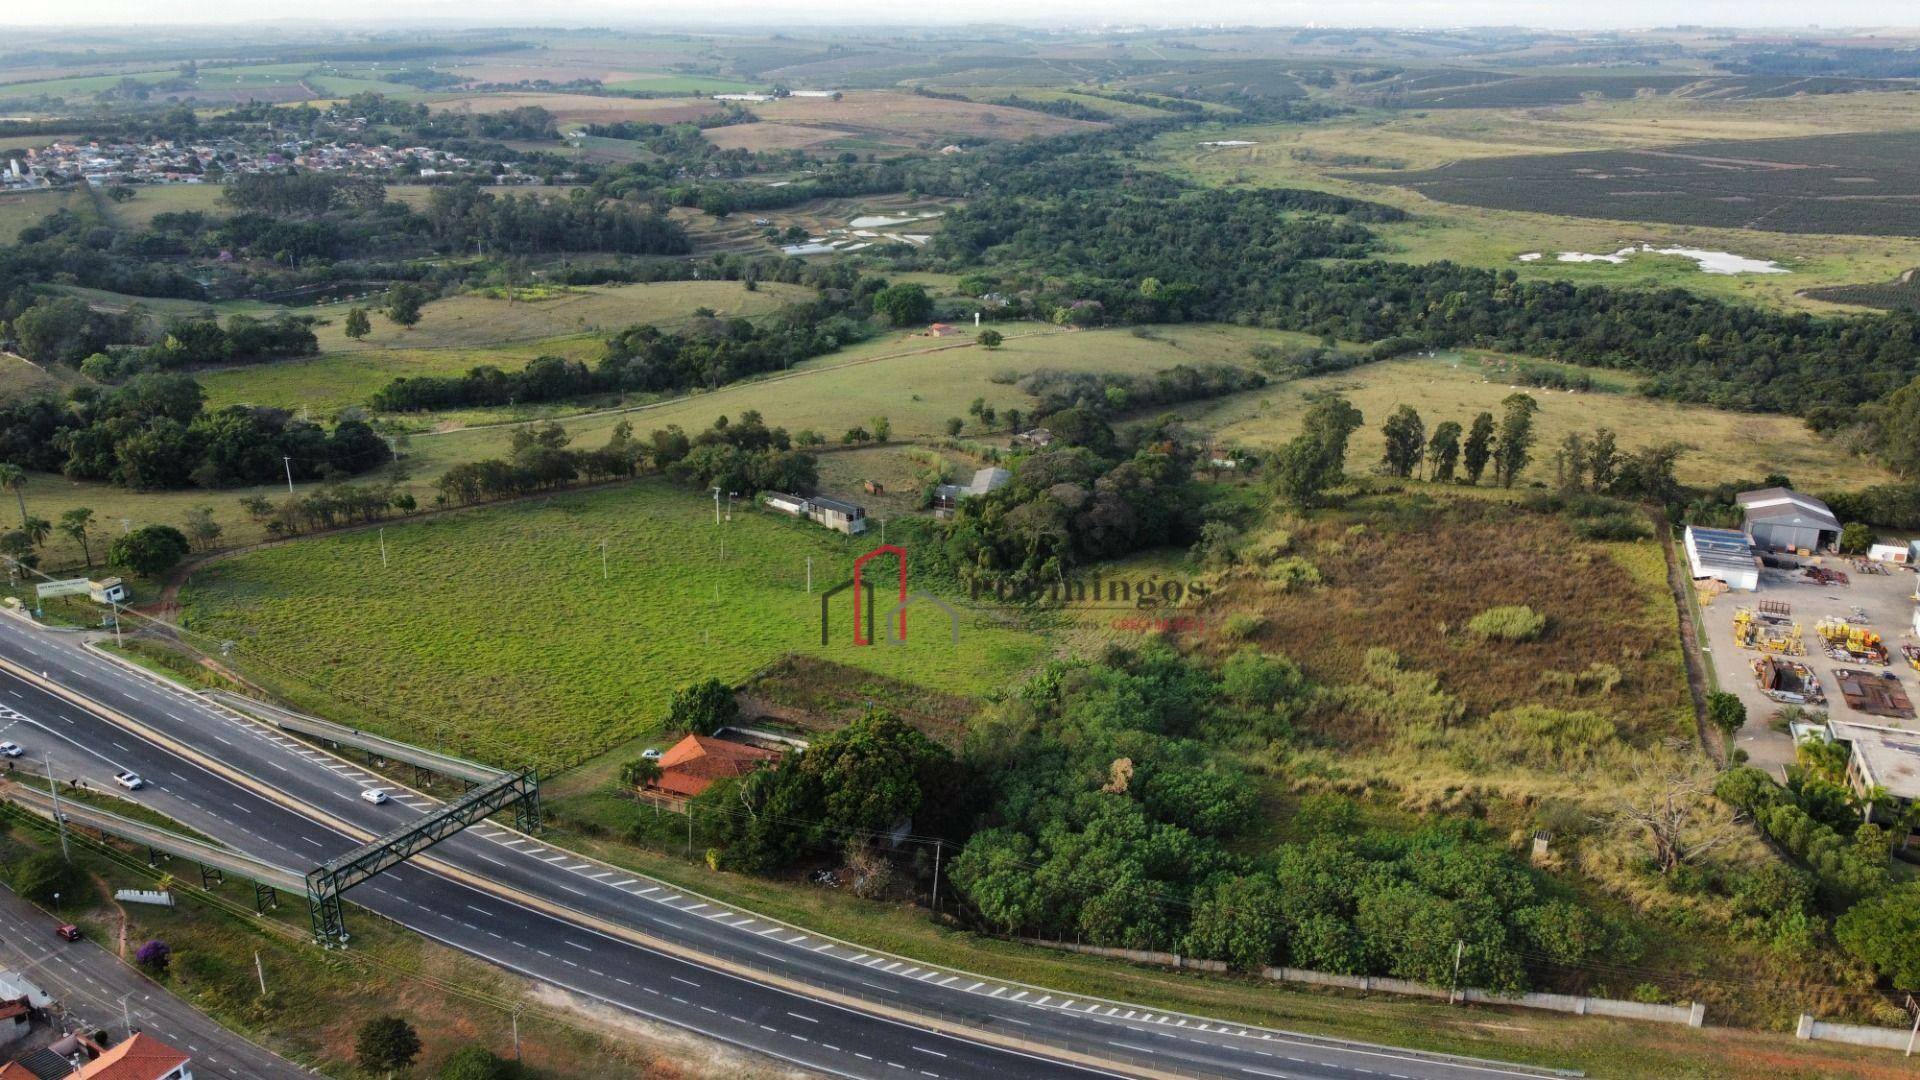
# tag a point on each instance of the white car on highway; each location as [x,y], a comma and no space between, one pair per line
[129,779]
[10,749]
[374,795]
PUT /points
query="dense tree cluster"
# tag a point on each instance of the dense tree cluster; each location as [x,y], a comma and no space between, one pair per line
[743,456]
[153,433]
[1110,821]
[466,218]
[1105,393]
[1070,505]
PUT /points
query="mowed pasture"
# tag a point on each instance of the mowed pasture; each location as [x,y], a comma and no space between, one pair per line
[1725,445]
[20,209]
[502,633]
[1851,184]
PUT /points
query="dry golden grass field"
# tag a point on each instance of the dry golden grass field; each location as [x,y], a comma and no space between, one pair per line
[890,114]
[584,107]
[1725,445]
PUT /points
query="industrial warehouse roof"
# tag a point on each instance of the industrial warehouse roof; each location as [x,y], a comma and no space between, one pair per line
[1720,549]
[1784,504]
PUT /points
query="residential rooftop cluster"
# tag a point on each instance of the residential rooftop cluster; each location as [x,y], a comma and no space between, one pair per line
[165,162]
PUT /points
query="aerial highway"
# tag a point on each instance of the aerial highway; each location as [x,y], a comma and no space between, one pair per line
[610,935]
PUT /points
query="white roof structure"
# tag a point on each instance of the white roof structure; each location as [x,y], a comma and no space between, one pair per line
[1886,757]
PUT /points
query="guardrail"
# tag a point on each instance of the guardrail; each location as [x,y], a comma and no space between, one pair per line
[163,840]
[313,727]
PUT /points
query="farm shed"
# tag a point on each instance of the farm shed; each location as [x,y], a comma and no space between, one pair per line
[836,515]
[947,496]
[1780,519]
[1724,555]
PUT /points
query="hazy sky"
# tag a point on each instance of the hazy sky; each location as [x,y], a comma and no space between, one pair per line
[1541,13]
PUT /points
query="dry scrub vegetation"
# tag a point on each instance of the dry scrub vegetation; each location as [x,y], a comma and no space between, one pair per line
[1576,723]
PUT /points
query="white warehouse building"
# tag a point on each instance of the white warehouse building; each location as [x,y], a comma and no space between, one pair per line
[1724,555]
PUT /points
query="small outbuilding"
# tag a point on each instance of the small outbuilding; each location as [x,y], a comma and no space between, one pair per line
[1781,519]
[1723,555]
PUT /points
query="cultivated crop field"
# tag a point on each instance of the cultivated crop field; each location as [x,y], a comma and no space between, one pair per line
[1370,154]
[1726,446]
[495,632]
[1855,184]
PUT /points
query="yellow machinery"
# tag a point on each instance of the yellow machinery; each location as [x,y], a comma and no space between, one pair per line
[1767,635]
[1857,642]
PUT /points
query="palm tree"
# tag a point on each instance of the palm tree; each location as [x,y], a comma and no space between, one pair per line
[74,523]
[14,478]
[37,529]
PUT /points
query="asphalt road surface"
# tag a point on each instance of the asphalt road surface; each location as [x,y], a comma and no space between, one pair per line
[98,990]
[525,922]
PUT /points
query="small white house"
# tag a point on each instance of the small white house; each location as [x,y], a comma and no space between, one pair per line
[1724,555]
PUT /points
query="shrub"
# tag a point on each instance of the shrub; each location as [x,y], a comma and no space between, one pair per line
[478,1063]
[703,707]
[1242,625]
[386,1043]
[150,550]
[154,956]
[1613,527]
[1510,622]
[43,875]
[1291,572]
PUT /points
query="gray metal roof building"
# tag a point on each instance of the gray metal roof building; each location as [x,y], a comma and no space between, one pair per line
[1779,519]
[1724,555]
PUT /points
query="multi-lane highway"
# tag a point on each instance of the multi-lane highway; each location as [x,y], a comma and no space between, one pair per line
[605,933]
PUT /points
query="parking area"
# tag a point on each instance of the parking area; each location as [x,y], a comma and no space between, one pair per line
[1881,602]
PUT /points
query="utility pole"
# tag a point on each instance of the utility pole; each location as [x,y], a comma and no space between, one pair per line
[603,560]
[516,1032]
[116,625]
[59,818]
[689,830]
[936,877]
[126,1015]
[289,464]
[383,545]
[809,575]
[1459,951]
[260,970]
[716,506]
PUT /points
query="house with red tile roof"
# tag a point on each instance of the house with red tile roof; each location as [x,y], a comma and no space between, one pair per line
[141,1057]
[695,762]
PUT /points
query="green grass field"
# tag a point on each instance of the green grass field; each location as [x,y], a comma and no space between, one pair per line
[19,209]
[494,632]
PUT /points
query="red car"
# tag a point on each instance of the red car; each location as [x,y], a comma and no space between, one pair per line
[68,932]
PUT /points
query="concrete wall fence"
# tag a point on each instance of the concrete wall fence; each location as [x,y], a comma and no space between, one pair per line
[1691,1015]
[1856,1034]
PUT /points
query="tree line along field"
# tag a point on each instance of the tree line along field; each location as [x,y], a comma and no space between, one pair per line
[1850,184]
[918,383]
[495,633]
[1481,89]
[1725,446]
[468,330]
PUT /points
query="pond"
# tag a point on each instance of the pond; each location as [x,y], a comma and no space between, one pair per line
[1711,262]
